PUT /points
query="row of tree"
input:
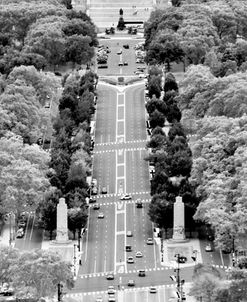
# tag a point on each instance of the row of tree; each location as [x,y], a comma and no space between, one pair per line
[44,34]
[70,155]
[170,153]
[199,31]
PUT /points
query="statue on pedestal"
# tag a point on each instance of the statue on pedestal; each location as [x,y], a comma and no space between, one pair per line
[178,220]
[62,222]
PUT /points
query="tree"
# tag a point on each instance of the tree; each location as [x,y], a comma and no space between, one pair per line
[170,83]
[154,86]
[121,12]
[77,219]
[164,49]
[78,49]
[156,119]
[38,272]
[7,256]
[46,38]
[47,211]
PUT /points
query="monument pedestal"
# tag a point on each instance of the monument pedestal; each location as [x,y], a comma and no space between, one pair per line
[178,222]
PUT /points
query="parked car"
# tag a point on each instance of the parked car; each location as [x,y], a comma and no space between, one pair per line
[94,191]
[208,248]
[139,203]
[128,248]
[119,52]
[126,46]
[182,259]
[20,233]
[120,63]
[125,63]
[92,200]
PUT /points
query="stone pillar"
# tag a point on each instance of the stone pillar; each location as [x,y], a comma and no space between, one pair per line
[178,220]
[62,222]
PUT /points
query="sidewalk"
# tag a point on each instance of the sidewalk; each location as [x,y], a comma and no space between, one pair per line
[5,235]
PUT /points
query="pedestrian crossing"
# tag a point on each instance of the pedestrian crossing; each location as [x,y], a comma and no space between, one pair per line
[119,195]
[120,143]
[110,203]
[146,288]
[114,150]
[104,274]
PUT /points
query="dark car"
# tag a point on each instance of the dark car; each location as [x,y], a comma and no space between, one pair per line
[102,66]
[110,276]
[142,273]
[182,259]
[96,206]
[126,46]
[139,203]
[131,283]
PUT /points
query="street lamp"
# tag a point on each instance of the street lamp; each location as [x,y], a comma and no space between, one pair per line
[180,283]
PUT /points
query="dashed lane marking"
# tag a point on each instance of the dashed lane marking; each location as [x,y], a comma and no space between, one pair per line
[119,206]
[126,149]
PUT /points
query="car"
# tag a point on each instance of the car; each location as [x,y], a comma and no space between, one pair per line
[153,290]
[21,224]
[150,241]
[120,63]
[94,191]
[104,190]
[94,182]
[102,66]
[110,276]
[111,298]
[6,290]
[111,290]
[128,248]
[140,68]
[129,234]
[101,215]
[130,259]
[131,283]
[125,197]
[96,206]
[182,259]
[139,254]
[142,273]
[208,248]
[139,203]
[20,233]
[92,200]
[141,75]
[125,63]
[126,46]
[99,299]
[119,52]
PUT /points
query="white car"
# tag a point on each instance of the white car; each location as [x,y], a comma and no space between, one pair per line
[130,259]
[111,290]
[153,290]
[139,254]
[208,248]
[99,299]
[101,215]
[150,241]
[125,197]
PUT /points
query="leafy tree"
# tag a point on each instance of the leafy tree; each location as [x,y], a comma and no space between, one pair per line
[79,49]
[157,141]
[47,211]
[170,83]
[161,211]
[46,38]
[154,86]
[77,219]
[173,114]
[156,119]
[8,256]
[78,26]
[155,103]
[176,130]
[164,49]
[39,272]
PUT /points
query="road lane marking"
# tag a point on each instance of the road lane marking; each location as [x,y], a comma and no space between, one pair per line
[124,117]
[115,237]
[31,232]
[88,219]
[95,266]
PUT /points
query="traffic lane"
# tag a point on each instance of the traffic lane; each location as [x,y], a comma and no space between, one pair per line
[152,278]
[106,239]
[25,242]
[137,171]
[90,244]
[104,172]
[135,113]
[106,115]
